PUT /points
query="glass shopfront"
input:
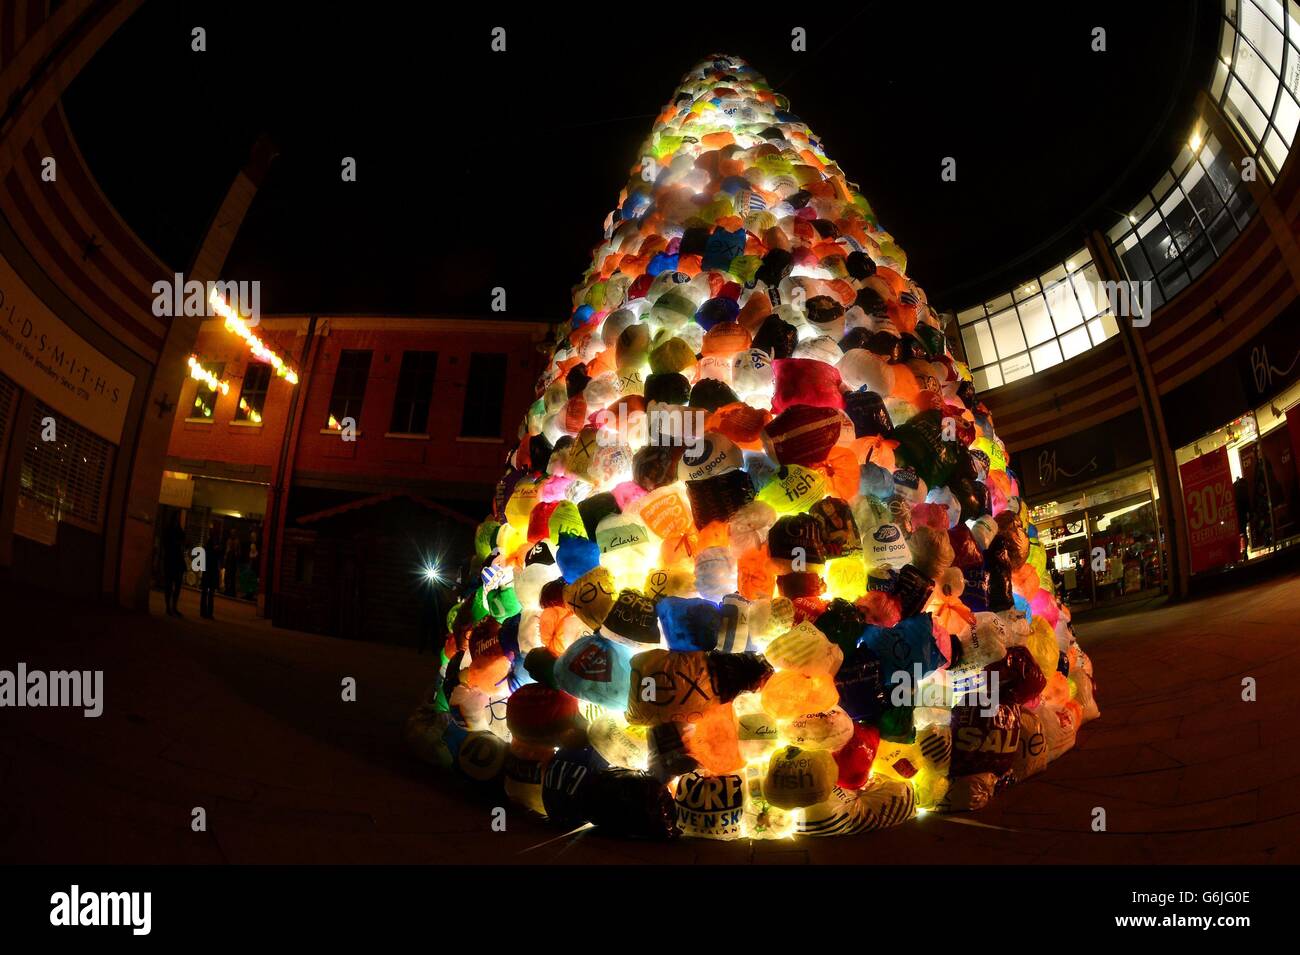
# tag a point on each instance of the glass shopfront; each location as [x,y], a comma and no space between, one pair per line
[1104,542]
[232,511]
[1260,456]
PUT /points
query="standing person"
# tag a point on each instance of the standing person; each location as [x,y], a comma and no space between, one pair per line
[211,573]
[251,590]
[231,563]
[173,554]
[1241,498]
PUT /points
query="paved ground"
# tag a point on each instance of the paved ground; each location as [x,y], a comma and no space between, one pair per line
[248,723]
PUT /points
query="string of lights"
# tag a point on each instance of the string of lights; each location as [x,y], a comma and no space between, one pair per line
[261,351]
[199,373]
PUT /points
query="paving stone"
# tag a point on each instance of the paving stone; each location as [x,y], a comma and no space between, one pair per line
[247,721]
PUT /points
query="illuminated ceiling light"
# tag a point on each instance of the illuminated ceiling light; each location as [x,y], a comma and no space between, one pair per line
[235,323]
[1195,142]
[1132,220]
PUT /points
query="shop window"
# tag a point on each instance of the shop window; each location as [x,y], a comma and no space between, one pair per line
[1134,259]
[349,387]
[1222,173]
[484,396]
[1242,207]
[414,392]
[1173,280]
[1125,541]
[252,396]
[1036,321]
[205,398]
[1064,307]
[1204,196]
[1100,329]
[65,478]
[1199,256]
[1013,369]
[1256,80]
[1045,356]
[1104,543]
[1178,240]
[1156,241]
[1038,324]
[1222,231]
[1180,220]
[1007,333]
[987,377]
[979,344]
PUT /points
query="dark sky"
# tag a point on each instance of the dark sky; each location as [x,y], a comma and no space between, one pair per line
[479,169]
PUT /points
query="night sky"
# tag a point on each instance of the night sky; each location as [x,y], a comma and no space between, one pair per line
[479,169]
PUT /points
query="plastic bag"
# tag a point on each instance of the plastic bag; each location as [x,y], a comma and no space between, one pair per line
[596,669]
[619,745]
[1032,755]
[798,777]
[667,685]
[627,803]
[829,730]
[712,807]
[805,650]
[967,793]
[563,779]
[984,742]
[883,804]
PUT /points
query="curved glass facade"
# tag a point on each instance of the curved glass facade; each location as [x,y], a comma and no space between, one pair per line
[1040,323]
[1173,234]
[1257,81]
[1186,222]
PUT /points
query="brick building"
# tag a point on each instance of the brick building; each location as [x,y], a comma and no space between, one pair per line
[331,526]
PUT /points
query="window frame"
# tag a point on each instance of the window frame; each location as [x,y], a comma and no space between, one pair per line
[216,370]
[356,378]
[486,382]
[412,391]
[245,392]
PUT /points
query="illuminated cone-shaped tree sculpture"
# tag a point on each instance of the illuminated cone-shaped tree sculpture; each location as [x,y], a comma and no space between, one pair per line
[758,566]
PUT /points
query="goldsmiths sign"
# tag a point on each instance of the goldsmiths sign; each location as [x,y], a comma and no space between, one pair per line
[46,357]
